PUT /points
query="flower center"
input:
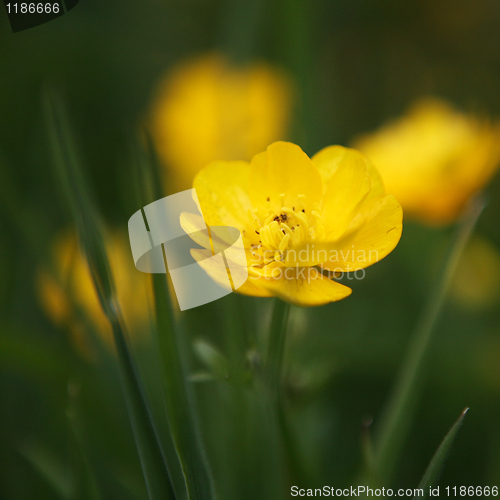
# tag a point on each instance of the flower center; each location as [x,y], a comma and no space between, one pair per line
[274,229]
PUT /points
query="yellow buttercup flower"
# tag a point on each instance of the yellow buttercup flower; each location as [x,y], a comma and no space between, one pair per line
[434,158]
[208,109]
[69,298]
[302,220]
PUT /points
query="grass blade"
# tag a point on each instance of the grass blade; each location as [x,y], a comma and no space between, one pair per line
[436,466]
[83,210]
[56,473]
[397,418]
[147,184]
[179,398]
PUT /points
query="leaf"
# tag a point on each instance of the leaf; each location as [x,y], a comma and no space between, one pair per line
[172,338]
[436,466]
[179,398]
[55,473]
[79,201]
[397,417]
[211,358]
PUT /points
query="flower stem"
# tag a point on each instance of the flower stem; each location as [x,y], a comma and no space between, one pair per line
[276,349]
[274,363]
[397,417]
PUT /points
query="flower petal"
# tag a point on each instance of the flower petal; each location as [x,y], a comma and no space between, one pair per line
[347,184]
[352,184]
[368,240]
[191,224]
[374,240]
[284,169]
[219,274]
[328,160]
[306,287]
[222,192]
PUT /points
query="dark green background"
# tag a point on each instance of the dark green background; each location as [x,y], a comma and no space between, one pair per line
[356,63]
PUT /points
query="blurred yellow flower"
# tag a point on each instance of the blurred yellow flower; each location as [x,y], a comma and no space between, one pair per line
[302,220]
[434,158]
[70,300]
[476,283]
[208,109]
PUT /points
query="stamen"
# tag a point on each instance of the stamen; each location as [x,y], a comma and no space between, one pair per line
[302,219]
[282,229]
[269,218]
[284,242]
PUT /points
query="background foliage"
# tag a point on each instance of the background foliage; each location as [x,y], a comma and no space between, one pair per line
[355,64]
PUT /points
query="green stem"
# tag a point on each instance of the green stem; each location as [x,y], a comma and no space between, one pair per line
[78,199]
[274,362]
[276,350]
[397,418]
[188,458]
